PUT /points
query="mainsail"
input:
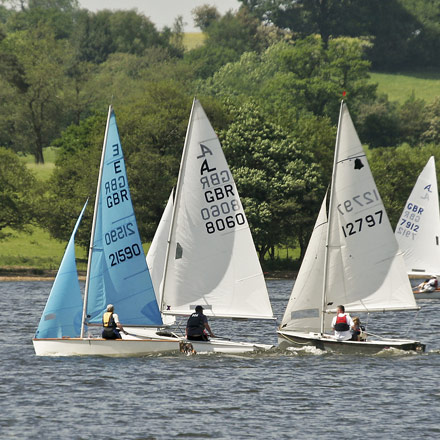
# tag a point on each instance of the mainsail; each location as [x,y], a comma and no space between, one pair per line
[118,271]
[418,229]
[62,315]
[211,258]
[366,271]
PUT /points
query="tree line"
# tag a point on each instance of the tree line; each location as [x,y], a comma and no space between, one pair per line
[271,89]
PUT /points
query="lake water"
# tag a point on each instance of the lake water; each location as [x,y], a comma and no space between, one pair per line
[275,395]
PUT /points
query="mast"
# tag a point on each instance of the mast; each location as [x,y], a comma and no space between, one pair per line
[92,234]
[176,200]
[324,283]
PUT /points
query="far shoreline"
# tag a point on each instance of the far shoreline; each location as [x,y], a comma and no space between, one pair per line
[35,274]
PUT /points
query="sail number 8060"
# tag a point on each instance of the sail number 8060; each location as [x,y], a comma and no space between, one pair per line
[124,254]
[356,226]
[221,224]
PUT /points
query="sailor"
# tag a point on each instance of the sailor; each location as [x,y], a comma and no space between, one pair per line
[429,285]
[358,330]
[342,324]
[196,325]
[111,324]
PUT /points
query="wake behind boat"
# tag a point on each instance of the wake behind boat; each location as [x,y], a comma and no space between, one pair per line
[352,259]
[210,257]
[117,273]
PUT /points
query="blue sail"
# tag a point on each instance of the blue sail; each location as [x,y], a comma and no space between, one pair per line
[63,312]
[118,272]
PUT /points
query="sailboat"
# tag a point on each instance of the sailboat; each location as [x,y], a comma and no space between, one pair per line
[117,273]
[352,259]
[418,228]
[210,254]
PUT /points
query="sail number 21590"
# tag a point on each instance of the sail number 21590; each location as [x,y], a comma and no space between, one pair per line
[369,221]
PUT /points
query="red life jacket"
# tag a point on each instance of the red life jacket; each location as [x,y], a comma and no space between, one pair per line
[341,324]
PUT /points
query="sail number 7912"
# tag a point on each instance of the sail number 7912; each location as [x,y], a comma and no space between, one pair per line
[355,227]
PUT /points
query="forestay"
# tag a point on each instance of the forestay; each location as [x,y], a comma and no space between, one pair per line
[366,271]
[418,229]
[212,259]
[62,314]
[118,270]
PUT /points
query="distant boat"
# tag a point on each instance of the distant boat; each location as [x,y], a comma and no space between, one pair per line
[210,254]
[352,259]
[117,273]
[418,229]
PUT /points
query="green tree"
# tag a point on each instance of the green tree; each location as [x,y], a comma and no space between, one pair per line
[405,33]
[395,170]
[36,109]
[277,181]
[289,79]
[16,192]
[227,38]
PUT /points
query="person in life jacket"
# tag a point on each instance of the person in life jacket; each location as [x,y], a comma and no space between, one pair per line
[342,324]
[111,324]
[196,325]
[358,330]
[429,285]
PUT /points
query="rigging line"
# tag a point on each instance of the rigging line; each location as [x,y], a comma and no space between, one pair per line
[411,323]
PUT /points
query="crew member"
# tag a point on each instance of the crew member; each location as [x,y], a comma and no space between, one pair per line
[197,326]
[342,324]
[111,324]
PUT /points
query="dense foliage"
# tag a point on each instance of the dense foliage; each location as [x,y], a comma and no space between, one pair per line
[269,76]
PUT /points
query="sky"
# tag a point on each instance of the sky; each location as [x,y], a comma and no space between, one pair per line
[162,12]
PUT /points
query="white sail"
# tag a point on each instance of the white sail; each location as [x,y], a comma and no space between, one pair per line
[157,253]
[211,258]
[418,229]
[303,312]
[366,271]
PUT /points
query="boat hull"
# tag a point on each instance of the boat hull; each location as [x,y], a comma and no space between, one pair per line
[296,339]
[104,347]
[427,295]
[227,347]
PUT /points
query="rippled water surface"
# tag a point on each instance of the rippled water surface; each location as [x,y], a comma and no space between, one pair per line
[275,395]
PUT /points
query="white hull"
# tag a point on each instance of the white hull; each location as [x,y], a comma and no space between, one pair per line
[227,347]
[215,345]
[427,295]
[327,342]
[103,347]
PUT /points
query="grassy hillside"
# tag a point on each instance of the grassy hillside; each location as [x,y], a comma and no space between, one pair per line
[192,40]
[399,87]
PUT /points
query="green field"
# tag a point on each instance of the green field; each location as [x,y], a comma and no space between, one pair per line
[34,249]
[191,40]
[399,87]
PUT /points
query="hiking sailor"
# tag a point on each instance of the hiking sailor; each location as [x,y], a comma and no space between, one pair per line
[342,324]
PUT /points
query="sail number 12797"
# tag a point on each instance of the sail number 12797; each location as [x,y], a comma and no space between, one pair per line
[356,226]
